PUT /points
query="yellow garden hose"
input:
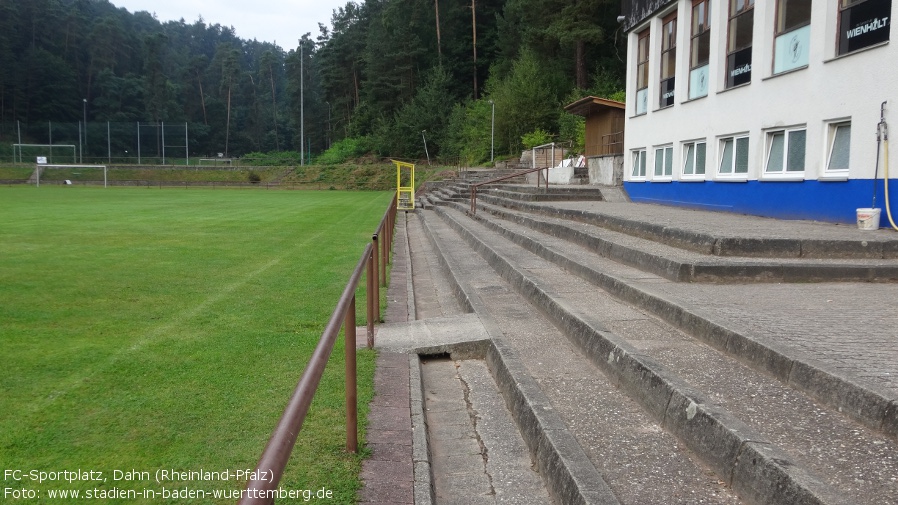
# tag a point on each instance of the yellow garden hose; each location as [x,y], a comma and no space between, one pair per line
[885,137]
[882,132]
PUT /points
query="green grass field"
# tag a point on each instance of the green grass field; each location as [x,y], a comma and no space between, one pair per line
[145,330]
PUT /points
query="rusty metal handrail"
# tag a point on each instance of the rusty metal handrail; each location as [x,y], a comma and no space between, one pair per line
[502,178]
[262,487]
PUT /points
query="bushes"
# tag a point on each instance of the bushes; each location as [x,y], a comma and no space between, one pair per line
[345,150]
[535,138]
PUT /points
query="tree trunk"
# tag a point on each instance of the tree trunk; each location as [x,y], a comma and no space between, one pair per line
[580,63]
[436,8]
[274,108]
[228,127]
[202,97]
[474,28]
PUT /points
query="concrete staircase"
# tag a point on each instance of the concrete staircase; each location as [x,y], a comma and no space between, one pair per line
[646,354]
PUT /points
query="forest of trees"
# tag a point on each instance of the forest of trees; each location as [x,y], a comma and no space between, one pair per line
[378,74]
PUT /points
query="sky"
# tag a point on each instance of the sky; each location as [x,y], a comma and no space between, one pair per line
[280,21]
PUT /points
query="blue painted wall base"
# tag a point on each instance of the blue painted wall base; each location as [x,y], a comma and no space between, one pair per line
[835,202]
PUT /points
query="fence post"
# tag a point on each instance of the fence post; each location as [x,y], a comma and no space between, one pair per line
[385,260]
[376,264]
[369,295]
[391,228]
[352,415]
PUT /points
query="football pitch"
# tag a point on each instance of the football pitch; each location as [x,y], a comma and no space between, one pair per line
[150,339]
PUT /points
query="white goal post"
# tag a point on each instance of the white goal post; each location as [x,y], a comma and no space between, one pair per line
[38,168]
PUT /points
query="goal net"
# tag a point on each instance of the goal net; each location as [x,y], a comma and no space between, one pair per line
[69,174]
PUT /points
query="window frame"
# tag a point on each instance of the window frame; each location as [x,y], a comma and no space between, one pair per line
[733,174]
[667,82]
[638,157]
[705,32]
[666,163]
[842,11]
[742,53]
[792,42]
[832,128]
[691,173]
[642,70]
[778,27]
[788,139]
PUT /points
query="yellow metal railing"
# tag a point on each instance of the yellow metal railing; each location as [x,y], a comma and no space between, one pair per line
[405,195]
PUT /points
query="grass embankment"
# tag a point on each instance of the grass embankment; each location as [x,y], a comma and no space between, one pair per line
[156,330]
[370,176]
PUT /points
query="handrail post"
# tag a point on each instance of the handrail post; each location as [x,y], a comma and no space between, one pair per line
[385,247]
[376,264]
[352,397]
[393,211]
[369,295]
[391,229]
[473,200]
[277,452]
[384,253]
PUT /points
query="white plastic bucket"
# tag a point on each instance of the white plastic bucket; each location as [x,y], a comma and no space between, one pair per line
[868,219]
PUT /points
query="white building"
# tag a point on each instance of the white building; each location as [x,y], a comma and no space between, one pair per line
[767,107]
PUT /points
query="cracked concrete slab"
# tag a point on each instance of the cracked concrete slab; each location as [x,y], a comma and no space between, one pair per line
[477,453]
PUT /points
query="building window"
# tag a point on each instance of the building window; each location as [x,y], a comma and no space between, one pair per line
[793,35]
[733,156]
[863,23]
[739,40]
[785,151]
[839,147]
[700,48]
[664,162]
[668,59]
[694,159]
[642,72]
[639,164]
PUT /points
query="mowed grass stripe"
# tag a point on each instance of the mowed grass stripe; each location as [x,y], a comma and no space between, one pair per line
[161,328]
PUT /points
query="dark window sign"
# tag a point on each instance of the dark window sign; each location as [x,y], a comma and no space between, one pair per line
[864,25]
[667,92]
[739,67]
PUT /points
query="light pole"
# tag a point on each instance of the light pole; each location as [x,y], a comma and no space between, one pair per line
[492,131]
[302,111]
[84,101]
[328,124]
[425,146]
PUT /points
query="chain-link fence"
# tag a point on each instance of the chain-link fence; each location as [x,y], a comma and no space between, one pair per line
[98,142]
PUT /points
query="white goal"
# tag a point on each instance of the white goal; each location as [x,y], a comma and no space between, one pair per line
[41,167]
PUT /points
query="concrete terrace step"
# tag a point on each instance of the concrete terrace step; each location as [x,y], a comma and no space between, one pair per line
[477,455]
[582,431]
[720,233]
[811,339]
[684,265]
[769,442]
[547,195]
[572,190]
[484,175]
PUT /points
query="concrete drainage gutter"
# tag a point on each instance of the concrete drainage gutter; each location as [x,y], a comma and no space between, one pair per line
[420,449]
